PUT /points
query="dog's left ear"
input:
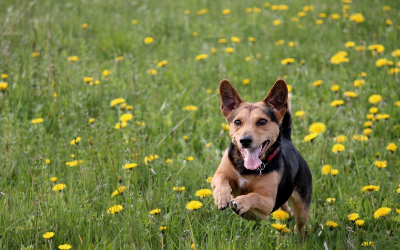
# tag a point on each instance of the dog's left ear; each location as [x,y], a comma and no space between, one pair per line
[277,99]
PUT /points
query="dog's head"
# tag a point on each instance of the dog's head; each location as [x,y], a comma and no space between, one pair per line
[254,127]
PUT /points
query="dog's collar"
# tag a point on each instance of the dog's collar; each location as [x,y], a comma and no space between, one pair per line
[272,155]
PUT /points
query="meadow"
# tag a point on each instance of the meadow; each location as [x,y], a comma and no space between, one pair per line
[110,120]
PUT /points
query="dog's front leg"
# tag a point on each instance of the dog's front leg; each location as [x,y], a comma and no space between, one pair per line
[221,190]
[262,205]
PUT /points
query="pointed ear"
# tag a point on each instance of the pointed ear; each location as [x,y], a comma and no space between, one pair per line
[277,99]
[230,98]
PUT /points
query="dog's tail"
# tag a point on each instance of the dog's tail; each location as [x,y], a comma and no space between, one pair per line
[286,126]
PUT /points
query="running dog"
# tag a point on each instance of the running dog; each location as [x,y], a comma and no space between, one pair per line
[261,169]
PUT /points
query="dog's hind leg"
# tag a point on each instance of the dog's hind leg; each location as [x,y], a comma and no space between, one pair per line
[301,211]
[285,207]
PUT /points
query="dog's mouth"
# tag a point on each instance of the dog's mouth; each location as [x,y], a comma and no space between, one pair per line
[251,156]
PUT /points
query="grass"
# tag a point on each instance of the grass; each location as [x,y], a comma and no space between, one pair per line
[78,214]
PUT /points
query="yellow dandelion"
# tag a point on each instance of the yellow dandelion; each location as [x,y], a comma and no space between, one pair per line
[317,83]
[190,108]
[359,223]
[229,50]
[337,103]
[115,209]
[374,99]
[59,187]
[317,127]
[370,188]
[391,147]
[380,164]
[334,172]
[190,158]
[326,169]
[299,113]
[280,215]
[330,200]
[382,212]
[119,190]
[331,224]
[117,101]
[235,39]
[360,137]
[246,81]
[53,179]
[353,216]
[337,148]
[287,61]
[37,120]
[310,137]
[201,57]
[48,235]
[350,94]
[73,58]
[35,54]
[155,211]
[170,161]
[203,192]
[278,226]
[126,117]
[340,138]
[335,88]
[148,40]
[65,247]
[225,126]
[226,11]
[193,205]
[209,179]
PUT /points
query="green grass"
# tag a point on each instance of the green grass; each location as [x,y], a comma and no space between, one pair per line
[78,215]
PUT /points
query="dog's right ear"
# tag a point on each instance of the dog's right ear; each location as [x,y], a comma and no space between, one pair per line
[230,98]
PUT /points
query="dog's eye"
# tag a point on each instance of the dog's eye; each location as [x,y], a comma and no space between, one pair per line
[262,122]
[238,123]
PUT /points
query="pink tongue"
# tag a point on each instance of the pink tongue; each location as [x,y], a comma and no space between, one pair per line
[251,160]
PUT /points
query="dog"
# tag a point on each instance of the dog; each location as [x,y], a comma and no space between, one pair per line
[261,169]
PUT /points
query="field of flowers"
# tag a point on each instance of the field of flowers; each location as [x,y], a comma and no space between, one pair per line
[110,127]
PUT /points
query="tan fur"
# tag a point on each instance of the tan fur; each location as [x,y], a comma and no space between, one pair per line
[301,213]
[255,195]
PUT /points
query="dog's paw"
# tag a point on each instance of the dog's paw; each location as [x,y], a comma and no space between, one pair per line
[221,199]
[239,205]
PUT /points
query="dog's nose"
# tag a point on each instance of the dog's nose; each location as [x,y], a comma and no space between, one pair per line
[246,141]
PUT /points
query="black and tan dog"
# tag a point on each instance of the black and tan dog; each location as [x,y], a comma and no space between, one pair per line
[261,169]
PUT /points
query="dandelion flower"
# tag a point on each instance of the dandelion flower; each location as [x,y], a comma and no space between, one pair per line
[251,39]
[115,209]
[246,81]
[178,189]
[148,40]
[73,58]
[53,179]
[37,120]
[337,148]
[340,138]
[226,11]
[357,17]
[276,22]
[382,212]
[235,39]
[169,161]
[190,158]
[193,205]
[350,44]
[353,216]
[374,99]
[331,224]
[319,22]
[278,226]
[126,117]
[35,54]
[201,57]
[203,192]
[287,61]
[391,147]
[317,127]
[202,12]
[326,169]
[370,188]
[222,40]
[359,223]
[360,137]
[229,50]
[350,94]
[310,137]
[317,83]
[3,86]
[59,187]
[117,101]
[155,211]
[130,165]
[380,164]
[335,88]
[48,235]
[337,103]
[119,190]
[209,179]
[190,108]
[359,82]
[330,200]
[280,215]
[65,247]
[299,113]
[379,48]
[120,125]
[334,172]
[225,126]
